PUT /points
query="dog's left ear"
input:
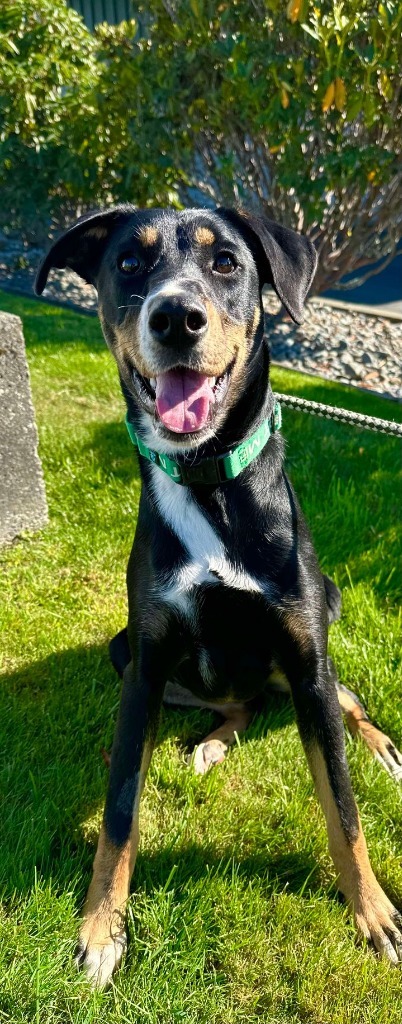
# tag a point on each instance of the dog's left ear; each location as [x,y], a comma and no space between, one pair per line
[284,259]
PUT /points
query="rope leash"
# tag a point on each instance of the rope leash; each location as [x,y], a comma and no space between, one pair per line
[329,412]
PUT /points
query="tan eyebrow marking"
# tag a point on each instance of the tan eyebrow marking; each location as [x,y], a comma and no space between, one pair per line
[148,235]
[204,236]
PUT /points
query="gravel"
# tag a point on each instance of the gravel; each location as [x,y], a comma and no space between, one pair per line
[345,345]
[361,349]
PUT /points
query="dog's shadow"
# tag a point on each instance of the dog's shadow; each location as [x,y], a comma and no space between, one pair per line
[60,713]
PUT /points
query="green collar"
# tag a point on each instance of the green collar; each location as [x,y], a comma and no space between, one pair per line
[216,470]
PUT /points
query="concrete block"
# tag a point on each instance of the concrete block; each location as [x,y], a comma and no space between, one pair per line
[22,490]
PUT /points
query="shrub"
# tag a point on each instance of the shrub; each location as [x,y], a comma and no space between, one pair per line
[293,107]
[290,107]
[47,68]
[141,164]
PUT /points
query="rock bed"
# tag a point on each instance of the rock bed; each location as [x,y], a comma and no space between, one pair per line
[355,348]
[339,344]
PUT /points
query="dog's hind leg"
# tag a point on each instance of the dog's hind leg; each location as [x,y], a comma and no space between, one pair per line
[359,724]
[214,748]
[333,599]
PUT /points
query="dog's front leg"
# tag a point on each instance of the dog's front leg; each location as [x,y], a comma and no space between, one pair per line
[321,729]
[102,936]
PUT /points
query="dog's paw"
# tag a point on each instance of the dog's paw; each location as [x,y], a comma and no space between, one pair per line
[207,754]
[101,944]
[383,749]
[380,923]
[389,757]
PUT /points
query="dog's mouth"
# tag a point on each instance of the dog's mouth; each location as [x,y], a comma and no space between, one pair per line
[182,399]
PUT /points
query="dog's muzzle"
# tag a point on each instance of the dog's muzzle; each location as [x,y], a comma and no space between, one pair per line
[174,319]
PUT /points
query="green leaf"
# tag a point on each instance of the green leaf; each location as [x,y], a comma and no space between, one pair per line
[310,31]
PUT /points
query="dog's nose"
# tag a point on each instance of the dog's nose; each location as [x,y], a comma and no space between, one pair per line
[178,319]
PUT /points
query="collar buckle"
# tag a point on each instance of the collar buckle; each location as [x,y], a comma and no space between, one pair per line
[206,472]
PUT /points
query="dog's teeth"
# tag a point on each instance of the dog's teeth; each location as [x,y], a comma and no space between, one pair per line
[152,381]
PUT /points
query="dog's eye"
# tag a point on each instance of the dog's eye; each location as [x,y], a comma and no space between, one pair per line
[224,263]
[128,263]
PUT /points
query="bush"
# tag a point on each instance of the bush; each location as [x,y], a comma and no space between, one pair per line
[47,68]
[295,108]
[142,165]
[292,108]
[71,136]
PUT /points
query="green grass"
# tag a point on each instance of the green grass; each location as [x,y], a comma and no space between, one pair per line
[234,916]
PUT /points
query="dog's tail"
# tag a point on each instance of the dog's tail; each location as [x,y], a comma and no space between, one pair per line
[334,599]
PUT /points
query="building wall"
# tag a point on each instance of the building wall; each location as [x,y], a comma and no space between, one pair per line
[94,11]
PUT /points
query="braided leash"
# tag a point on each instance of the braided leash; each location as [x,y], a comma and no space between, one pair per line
[329,412]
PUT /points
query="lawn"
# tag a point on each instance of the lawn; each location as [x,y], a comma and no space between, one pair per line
[234,915]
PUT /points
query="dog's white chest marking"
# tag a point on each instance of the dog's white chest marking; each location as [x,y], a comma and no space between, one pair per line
[208,561]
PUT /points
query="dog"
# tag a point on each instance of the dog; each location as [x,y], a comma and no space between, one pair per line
[225,593]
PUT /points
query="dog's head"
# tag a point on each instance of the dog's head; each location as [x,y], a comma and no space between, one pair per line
[180,304]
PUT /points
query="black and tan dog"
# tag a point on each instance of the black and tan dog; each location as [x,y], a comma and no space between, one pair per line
[225,593]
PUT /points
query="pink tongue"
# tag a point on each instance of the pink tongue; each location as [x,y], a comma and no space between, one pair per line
[183,398]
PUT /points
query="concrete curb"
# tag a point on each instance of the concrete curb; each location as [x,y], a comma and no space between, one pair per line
[61,303]
[286,365]
[356,307]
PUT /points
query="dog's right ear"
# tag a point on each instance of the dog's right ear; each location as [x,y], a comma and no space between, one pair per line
[81,247]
